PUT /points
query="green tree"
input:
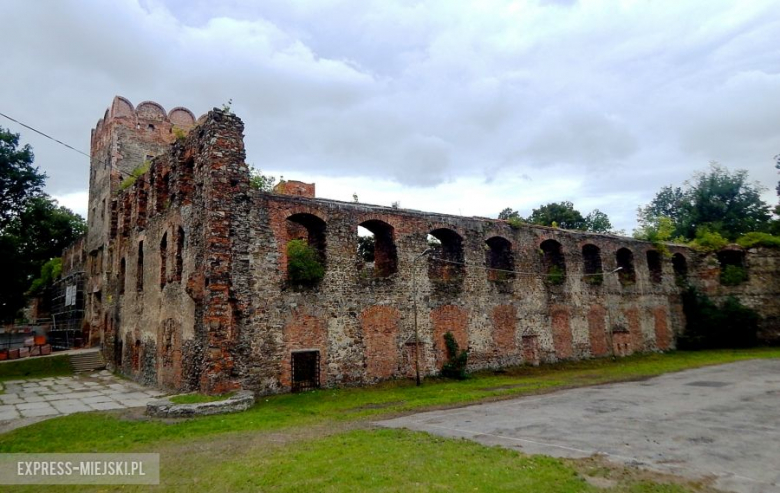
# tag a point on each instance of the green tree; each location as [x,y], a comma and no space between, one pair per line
[33,228]
[508,214]
[259,181]
[598,222]
[20,181]
[719,200]
[560,214]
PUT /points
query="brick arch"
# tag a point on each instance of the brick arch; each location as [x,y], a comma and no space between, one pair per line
[122,107]
[181,116]
[380,336]
[149,110]
[448,318]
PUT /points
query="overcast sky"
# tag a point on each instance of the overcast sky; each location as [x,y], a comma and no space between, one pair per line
[447,106]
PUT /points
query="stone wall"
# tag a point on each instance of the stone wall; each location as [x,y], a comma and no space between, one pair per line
[361,319]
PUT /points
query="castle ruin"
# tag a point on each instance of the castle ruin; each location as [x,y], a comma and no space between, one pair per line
[187,284]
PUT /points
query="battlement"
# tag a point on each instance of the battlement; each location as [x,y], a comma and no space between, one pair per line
[148,117]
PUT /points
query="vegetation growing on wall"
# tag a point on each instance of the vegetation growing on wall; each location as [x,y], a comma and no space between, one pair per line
[259,181]
[137,172]
[303,263]
[708,326]
[733,275]
[455,366]
[751,240]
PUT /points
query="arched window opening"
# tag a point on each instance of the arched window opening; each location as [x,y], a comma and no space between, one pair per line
[139,273]
[446,262]
[593,271]
[305,249]
[553,263]
[732,267]
[625,261]
[122,272]
[680,266]
[654,266]
[499,259]
[179,254]
[136,360]
[164,260]
[163,193]
[376,248]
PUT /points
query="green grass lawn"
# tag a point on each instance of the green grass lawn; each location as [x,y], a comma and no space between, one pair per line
[54,366]
[320,440]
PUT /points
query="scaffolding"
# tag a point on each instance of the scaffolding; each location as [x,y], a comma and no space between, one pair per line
[67,311]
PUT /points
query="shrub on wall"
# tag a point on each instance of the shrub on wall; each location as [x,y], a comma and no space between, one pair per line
[303,263]
[455,367]
[732,325]
[750,240]
[733,275]
[556,275]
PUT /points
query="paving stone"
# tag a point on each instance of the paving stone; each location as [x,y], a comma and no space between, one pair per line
[93,400]
[12,382]
[10,399]
[34,398]
[92,384]
[32,413]
[58,397]
[136,396]
[7,407]
[6,415]
[82,395]
[70,406]
[29,406]
[105,406]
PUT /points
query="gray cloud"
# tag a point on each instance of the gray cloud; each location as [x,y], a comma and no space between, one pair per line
[618,98]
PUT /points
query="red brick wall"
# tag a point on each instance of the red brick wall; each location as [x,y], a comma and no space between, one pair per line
[561,331]
[448,318]
[304,331]
[597,324]
[531,350]
[662,335]
[635,329]
[504,332]
[380,334]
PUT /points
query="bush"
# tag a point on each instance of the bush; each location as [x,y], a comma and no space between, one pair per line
[556,275]
[594,279]
[733,275]
[751,240]
[708,326]
[708,241]
[455,367]
[303,263]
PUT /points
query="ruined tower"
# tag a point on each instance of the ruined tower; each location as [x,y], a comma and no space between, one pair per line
[121,142]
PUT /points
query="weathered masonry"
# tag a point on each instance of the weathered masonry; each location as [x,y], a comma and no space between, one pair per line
[188,285]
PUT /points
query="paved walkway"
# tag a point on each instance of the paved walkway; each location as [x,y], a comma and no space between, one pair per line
[57,396]
[721,422]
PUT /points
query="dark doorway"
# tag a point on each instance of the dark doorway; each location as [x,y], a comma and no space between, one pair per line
[305,370]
